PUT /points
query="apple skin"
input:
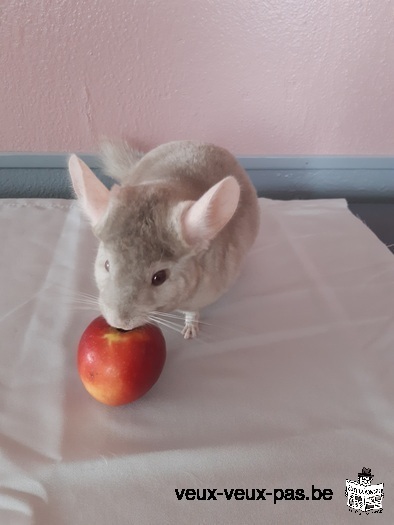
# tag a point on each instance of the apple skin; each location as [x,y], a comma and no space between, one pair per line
[119,367]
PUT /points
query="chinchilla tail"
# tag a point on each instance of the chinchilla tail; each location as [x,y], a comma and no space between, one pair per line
[118,159]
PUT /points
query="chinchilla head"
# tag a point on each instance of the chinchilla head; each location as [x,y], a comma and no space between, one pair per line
[142,264]
[150,242]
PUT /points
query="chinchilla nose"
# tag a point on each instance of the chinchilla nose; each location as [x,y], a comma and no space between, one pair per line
[118,313]
[124,320]
[121,324]
[116,319]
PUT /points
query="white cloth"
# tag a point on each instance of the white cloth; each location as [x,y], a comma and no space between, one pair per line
[290,384]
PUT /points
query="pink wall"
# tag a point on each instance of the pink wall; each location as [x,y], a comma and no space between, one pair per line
[257,76]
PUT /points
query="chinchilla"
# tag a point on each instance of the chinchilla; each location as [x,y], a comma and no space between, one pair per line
[173,231]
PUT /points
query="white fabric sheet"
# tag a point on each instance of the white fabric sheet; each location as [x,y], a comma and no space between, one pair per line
[290,384]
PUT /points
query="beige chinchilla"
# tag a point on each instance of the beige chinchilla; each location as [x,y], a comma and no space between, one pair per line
[172,235]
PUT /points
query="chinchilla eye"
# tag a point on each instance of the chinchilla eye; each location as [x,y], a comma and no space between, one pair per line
[106,265]
[159,277]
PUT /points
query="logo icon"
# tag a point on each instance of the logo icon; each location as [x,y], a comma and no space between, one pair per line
[362,496]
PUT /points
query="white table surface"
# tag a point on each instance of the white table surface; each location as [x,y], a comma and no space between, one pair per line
[290,384]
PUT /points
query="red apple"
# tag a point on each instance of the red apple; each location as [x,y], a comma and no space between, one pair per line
[118,367]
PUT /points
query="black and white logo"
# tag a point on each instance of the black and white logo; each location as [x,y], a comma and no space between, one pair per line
[362,496]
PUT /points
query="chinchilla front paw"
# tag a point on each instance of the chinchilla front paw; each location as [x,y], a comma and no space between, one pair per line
[190,330]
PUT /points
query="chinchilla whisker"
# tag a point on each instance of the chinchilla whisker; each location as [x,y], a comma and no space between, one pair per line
[73,293]
[83,298]
[75,300]
[81,295]
[232,328]
[86,295]
[179,331]
[78,296]
[93,306]
[167,314]
[174,321]
[167,324]
[156,318]
[84,301]
[86,307]
[181,318]
[90,299]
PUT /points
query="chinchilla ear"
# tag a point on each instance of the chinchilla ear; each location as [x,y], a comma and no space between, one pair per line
[91,192]
[204,219]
